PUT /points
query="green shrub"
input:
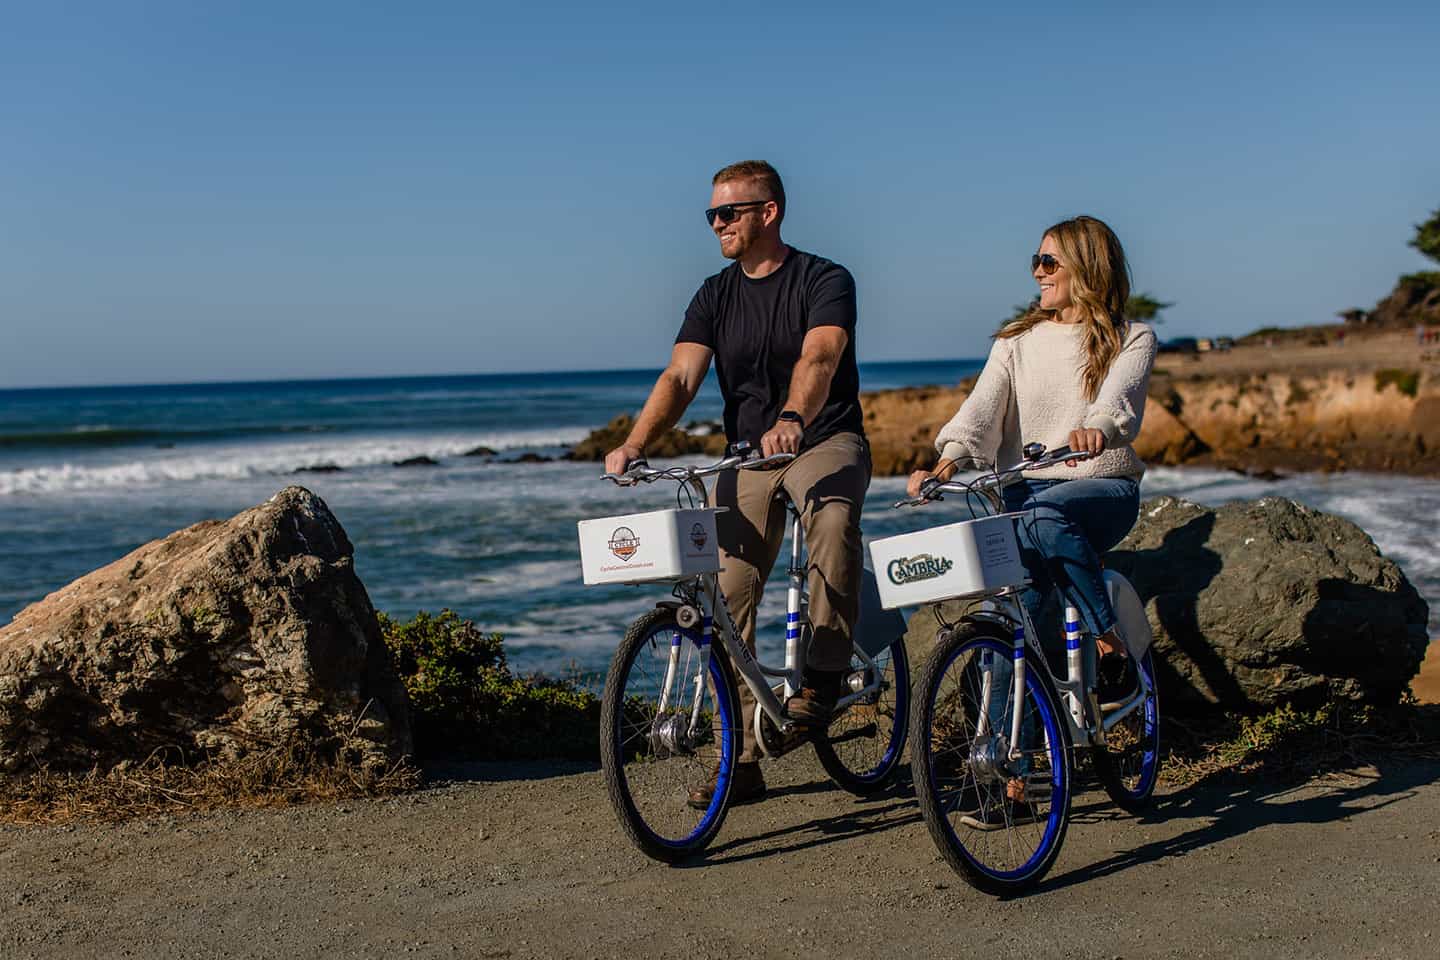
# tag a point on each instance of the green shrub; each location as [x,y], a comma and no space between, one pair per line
[1427,237]
[465,702]
[1406,381]
[1428,279]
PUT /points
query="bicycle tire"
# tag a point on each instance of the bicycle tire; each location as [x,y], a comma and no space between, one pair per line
[648,779]
[997,847]
[864,744]
[1129,764]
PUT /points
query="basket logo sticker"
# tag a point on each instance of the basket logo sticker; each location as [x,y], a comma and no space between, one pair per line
[624,543]
[698,536]
[903,570]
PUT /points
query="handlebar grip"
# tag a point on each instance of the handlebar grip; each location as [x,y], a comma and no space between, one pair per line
[1059,452]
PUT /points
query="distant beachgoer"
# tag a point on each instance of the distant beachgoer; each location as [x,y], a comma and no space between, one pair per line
[780,325]
[1071,371]
[1420,335]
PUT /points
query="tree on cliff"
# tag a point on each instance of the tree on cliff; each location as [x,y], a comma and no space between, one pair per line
[1144,307]
[1427,237]
[1140,306]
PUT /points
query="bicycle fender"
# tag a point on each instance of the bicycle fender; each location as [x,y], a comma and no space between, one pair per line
[877,627]
[1130,612]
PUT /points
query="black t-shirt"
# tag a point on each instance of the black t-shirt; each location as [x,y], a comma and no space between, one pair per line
[756,329]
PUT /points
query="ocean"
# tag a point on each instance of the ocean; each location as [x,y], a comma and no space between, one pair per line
[88,474]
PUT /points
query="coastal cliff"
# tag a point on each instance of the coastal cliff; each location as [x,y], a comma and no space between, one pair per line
[1262,422]
[1324,402]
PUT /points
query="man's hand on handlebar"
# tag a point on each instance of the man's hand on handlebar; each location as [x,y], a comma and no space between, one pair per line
[617,460]
[1089,441]
[784,437]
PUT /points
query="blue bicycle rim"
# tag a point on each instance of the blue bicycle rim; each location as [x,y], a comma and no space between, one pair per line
[722,705]
[1059,783]
[902,712]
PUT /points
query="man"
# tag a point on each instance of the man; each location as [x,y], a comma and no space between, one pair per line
[780,324]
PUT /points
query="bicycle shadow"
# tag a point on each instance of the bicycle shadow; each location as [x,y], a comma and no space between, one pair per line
[1173,575]
[1235,805]
[871,815]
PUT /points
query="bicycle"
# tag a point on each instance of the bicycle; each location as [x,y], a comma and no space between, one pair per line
[670,711]
[992,759]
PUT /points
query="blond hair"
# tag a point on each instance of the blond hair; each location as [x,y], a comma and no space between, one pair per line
[1099,289]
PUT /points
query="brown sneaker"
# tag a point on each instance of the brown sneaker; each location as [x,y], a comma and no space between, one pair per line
[747,785]
[813,704]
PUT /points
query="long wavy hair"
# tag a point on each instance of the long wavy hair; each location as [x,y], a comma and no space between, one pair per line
[1099,289]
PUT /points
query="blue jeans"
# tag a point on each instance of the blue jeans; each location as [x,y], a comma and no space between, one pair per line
[1067,525]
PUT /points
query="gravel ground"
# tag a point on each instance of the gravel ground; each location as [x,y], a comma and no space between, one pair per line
[527,861]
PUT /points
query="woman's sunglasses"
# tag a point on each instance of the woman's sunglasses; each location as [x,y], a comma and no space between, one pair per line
[1044,262]
[727,212]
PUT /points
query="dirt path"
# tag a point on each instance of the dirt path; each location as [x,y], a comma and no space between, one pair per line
[1367,351]
[526,861]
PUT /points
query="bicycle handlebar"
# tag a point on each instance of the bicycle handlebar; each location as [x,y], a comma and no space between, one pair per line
[640,471]
[935,488]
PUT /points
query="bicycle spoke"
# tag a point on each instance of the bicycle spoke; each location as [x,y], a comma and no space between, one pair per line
[989,804]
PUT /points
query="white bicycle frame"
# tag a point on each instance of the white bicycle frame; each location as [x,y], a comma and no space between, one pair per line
[704,594]
[1003,607]
[1074,690]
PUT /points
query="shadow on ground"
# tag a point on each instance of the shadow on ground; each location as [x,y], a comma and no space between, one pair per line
[893,807]
[1231,805]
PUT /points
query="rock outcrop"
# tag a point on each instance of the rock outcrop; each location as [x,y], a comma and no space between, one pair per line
[675,443]
[1255,605]
[1263,603]
[1372,405]
[218,640]
[1338,420]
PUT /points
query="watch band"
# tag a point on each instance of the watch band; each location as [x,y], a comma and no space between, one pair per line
[793,417]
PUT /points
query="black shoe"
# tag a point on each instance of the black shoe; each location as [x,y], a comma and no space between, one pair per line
[747,785]
[1117,680]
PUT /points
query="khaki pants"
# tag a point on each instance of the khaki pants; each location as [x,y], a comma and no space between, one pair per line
[827,483]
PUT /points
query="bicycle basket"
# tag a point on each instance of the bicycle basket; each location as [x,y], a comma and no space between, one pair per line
[646,547]
[942,563]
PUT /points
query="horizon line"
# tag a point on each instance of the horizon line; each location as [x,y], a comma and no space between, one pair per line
[141,385]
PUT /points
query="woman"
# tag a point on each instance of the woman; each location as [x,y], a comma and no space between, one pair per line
[1072,370]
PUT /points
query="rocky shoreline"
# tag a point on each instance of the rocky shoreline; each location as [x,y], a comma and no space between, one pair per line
[1362,402]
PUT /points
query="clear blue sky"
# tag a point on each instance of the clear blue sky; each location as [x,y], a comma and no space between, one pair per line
[235,191]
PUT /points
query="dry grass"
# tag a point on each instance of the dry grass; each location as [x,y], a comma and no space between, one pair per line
[279,777]
[1288,743]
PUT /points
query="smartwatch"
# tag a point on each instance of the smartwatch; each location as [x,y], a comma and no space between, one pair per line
[792,417]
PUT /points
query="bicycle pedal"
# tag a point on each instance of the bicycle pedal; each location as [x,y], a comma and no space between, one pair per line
[777,743]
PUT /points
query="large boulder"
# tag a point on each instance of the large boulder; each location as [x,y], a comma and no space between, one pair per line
[1255,605]
[674,442]
[1264,603]
[220,639]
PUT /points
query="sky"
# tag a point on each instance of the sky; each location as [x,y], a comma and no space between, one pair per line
[194,192]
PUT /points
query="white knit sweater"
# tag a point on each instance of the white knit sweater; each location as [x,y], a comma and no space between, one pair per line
[1032,390]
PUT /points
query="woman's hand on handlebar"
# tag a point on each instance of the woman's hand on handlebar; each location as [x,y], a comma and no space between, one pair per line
[944,470]
[1085,440]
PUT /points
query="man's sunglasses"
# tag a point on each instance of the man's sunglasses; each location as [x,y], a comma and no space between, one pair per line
[726,212]
[1045,262]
